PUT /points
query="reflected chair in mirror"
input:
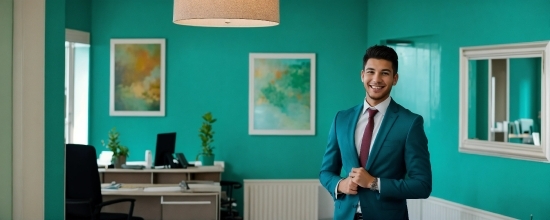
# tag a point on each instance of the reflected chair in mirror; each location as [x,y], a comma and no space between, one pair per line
[228,202]
[83,199]
[516,128]
[512,129]
[526,127]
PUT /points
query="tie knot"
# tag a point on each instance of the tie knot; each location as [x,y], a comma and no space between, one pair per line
[372,112]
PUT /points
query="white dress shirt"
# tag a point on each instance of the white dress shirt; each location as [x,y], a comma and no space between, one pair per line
[360,129]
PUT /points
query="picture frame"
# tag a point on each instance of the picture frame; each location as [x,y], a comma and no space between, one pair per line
[137,81]
[282,94]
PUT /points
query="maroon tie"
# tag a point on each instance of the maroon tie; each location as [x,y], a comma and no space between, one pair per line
[367,137]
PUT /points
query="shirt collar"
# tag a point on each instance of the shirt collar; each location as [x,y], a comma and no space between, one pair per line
[381,107]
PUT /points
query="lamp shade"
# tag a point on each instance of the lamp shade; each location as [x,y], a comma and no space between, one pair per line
[227,13]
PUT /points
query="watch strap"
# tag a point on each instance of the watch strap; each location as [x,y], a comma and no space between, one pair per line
[374,184]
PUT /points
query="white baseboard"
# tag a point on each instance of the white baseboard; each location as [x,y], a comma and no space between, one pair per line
[436,208]
[423,209]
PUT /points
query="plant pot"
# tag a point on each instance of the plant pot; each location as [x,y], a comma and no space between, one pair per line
[119,161]
[207,160]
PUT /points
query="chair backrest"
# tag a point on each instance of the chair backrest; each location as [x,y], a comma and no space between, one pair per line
[526,125]
[82,175]
[513,127]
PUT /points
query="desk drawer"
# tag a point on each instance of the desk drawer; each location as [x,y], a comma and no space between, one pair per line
[147,207]
[200,207]
[216,176]
[169,178]
[127,177]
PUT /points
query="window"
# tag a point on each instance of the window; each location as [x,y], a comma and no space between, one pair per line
[77,60]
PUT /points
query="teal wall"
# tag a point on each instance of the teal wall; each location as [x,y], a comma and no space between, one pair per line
[6,163]
[482,99]
[78,15]
[54,110]
[478,99]
[485,182]
[525,82]
[60,14]
[472,99]
[207,70]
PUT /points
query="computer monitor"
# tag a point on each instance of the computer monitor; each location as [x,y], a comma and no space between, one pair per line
[166,144]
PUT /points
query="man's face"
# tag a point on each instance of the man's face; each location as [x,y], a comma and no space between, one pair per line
[378,78]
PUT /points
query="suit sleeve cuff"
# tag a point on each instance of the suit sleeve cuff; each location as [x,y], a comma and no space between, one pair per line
[336,193]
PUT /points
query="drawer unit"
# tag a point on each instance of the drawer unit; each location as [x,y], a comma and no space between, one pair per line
[199,207]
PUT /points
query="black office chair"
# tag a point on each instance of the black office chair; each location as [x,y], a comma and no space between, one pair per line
[83,188]
[228,202]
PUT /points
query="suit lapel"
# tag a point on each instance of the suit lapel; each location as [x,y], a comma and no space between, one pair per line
[387,123]
[351,135]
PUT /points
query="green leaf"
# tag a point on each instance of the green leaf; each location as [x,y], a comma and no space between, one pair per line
[114,144]
[206,134]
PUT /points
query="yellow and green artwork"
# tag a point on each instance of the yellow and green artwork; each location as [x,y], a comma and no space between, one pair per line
[137,77]
[282,94]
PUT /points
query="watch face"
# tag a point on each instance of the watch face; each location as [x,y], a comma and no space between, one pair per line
[374,185]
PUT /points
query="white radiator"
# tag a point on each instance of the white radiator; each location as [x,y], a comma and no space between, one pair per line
[306,200]
[281,199]
[435,208]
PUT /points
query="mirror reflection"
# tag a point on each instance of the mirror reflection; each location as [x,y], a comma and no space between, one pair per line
[504,100]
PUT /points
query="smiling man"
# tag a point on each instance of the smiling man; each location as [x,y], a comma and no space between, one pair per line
[380,145]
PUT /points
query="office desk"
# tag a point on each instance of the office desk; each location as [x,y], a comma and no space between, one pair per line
[201,203]
[520,136]
[161,176]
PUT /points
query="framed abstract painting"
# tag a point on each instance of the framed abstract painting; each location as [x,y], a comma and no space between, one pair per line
[281,94]
[137,85]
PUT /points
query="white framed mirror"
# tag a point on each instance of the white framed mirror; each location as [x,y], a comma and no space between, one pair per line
[504,101]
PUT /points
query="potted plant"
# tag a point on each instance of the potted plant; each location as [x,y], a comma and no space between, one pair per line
[120,152]
[207,137]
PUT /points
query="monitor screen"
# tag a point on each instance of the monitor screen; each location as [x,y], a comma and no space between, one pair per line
[166,144]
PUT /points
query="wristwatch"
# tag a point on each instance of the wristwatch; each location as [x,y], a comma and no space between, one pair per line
[374,184]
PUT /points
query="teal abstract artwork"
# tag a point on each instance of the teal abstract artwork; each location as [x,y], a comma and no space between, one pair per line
[282,94]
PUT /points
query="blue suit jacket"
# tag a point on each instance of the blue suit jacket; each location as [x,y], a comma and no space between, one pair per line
[399,158]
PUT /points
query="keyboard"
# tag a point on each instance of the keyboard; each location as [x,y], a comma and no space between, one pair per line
[135,167]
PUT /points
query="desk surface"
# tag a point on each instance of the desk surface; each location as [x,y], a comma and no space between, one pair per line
[167,205]
[197,169]
[139,190]
[519,136]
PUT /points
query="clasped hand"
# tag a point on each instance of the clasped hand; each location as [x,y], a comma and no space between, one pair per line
[357,177]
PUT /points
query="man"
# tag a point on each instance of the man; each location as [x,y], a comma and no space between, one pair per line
[380,145]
